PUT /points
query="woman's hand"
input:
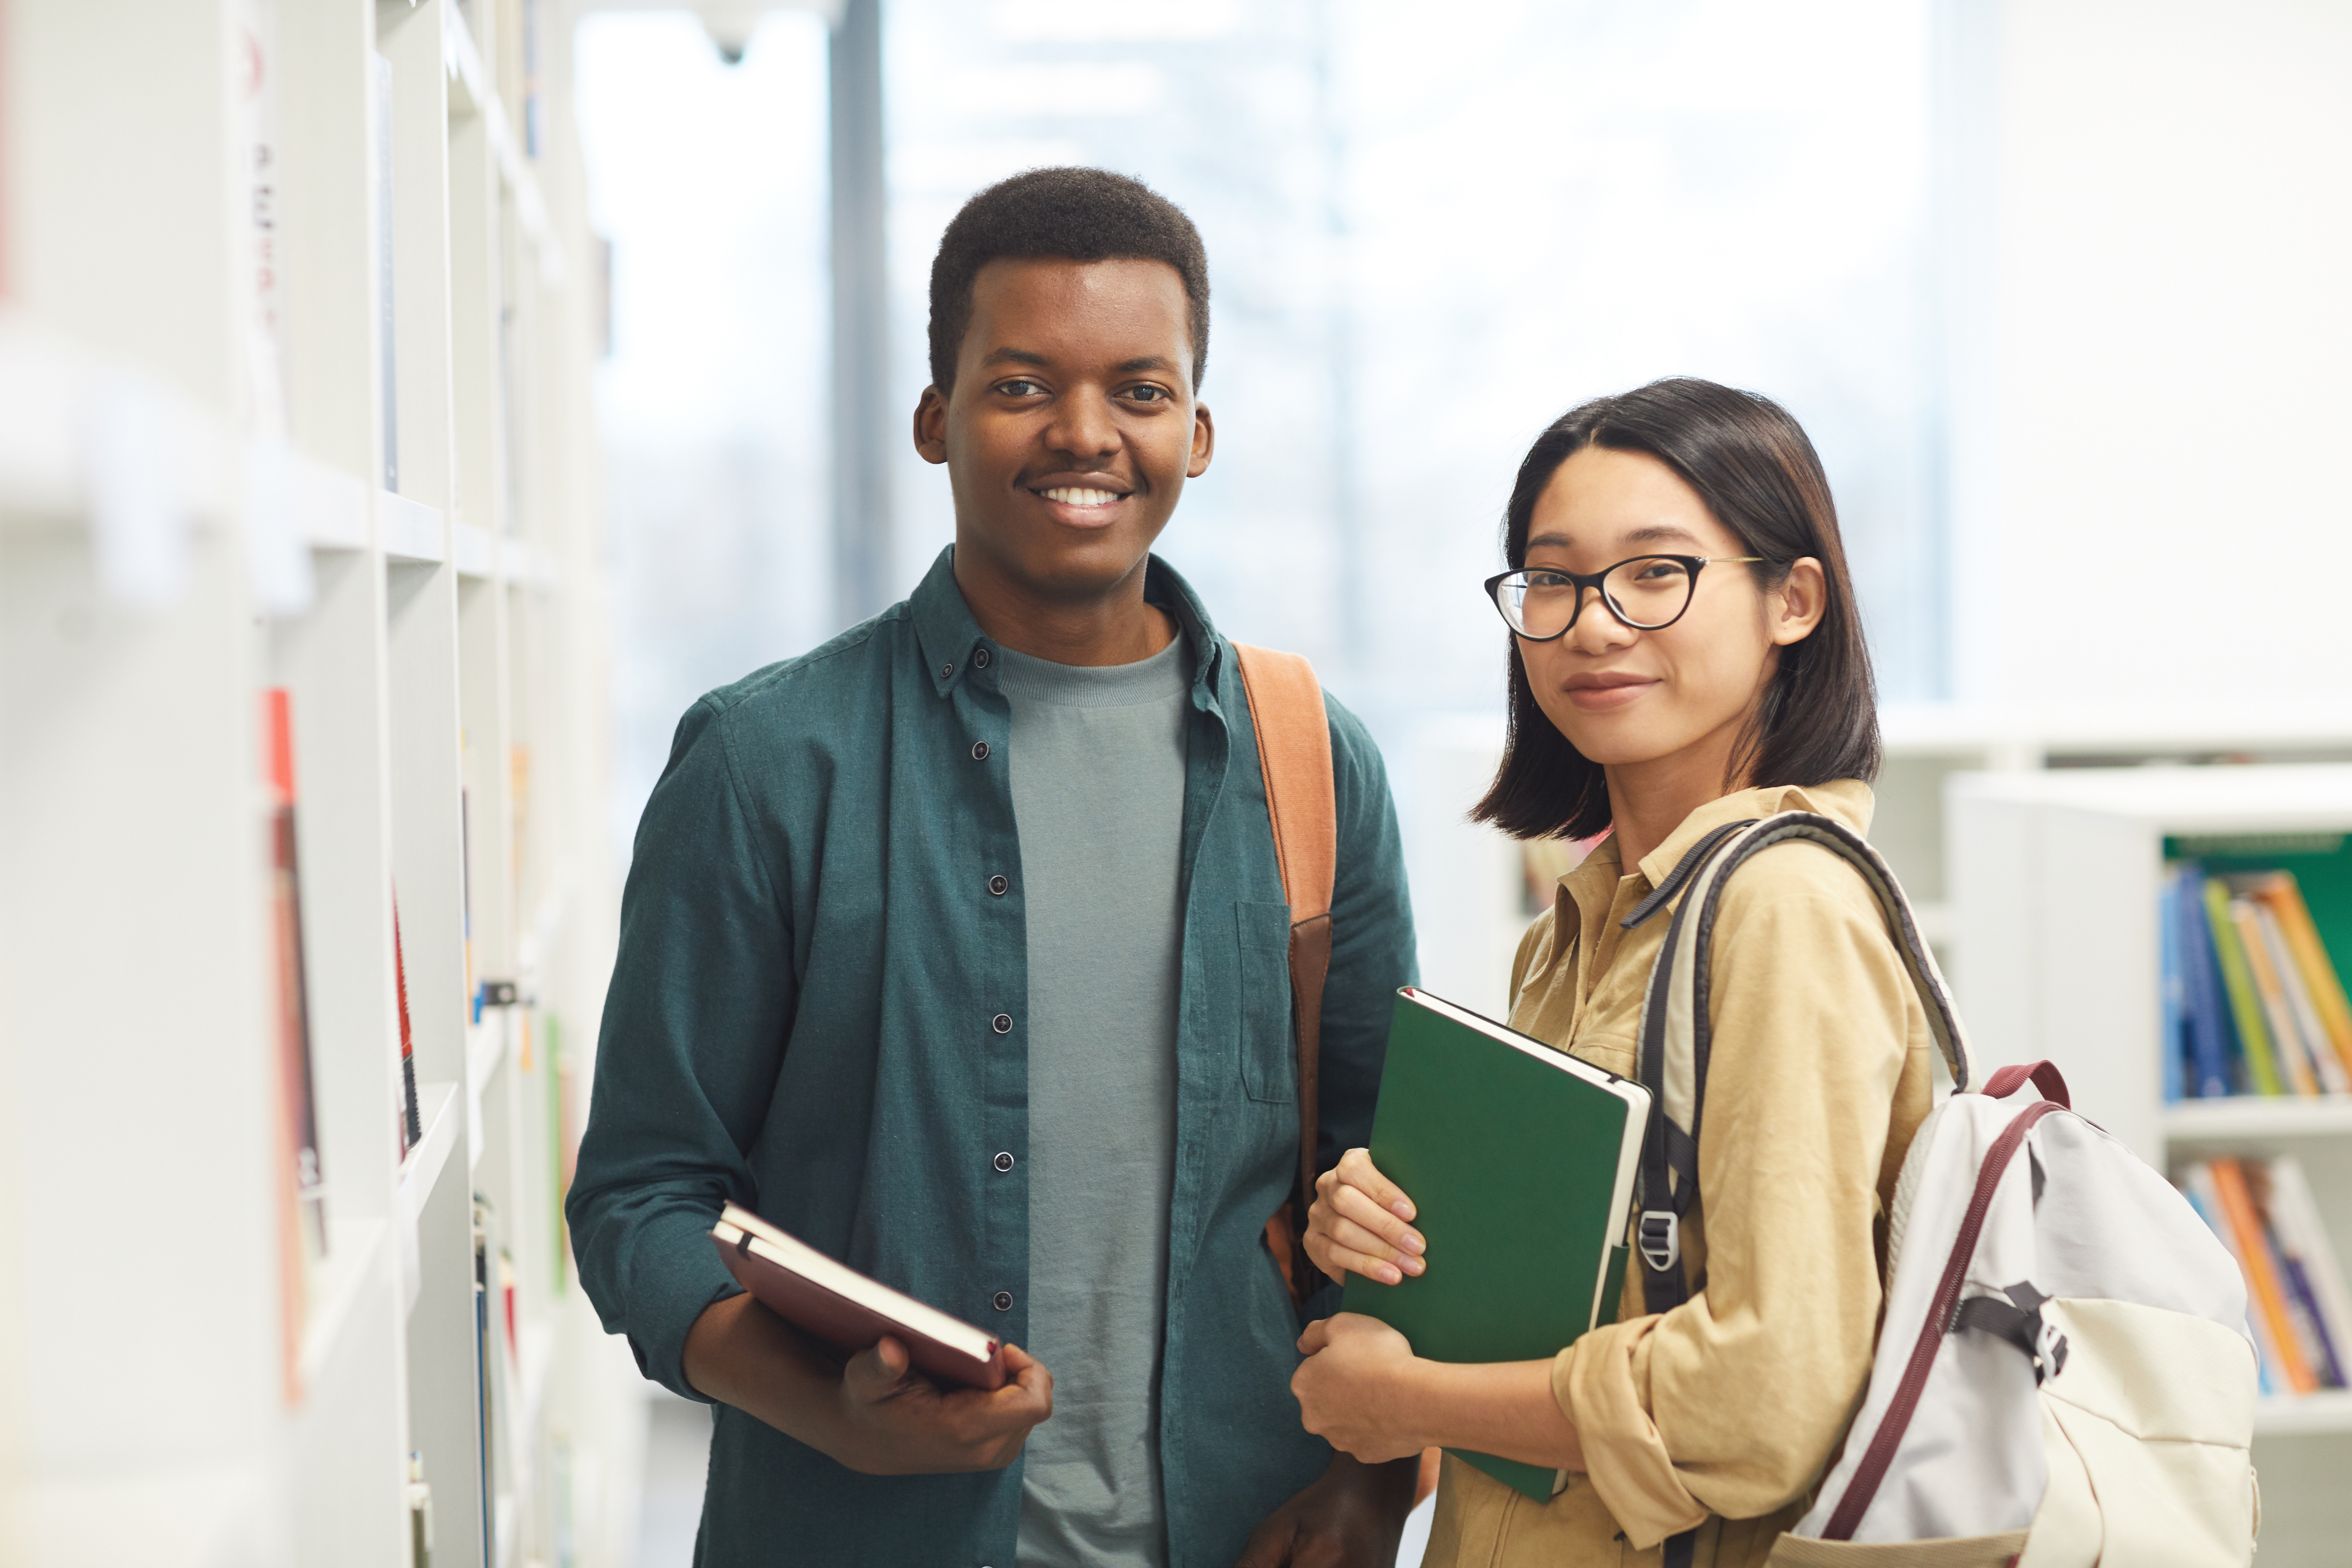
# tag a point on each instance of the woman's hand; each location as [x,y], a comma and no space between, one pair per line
[1360,1221]
[1356,1388]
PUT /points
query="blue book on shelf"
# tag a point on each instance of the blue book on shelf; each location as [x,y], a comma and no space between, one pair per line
[2212,1040]
[2175,1035]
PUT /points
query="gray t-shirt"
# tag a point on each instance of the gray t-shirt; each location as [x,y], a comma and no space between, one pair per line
[1097,773]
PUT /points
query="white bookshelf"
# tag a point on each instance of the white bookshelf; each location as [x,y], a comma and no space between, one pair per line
[173,540]
[2054,880]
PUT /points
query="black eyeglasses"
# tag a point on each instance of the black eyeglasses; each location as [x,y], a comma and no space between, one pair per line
[1647,593]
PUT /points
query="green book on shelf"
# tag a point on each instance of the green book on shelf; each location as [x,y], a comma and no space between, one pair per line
[1521,1161]
[2245,1002]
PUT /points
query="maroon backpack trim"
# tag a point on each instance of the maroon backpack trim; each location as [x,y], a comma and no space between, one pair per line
[1897,1419]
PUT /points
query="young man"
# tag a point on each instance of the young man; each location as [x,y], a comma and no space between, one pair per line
[958,949]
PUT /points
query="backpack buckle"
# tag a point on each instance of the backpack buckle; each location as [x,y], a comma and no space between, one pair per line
[1659,1240]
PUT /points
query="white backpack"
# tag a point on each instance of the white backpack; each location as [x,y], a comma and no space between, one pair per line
[2063,1376]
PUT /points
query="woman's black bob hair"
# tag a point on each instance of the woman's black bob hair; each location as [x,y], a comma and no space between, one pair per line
[1753,466]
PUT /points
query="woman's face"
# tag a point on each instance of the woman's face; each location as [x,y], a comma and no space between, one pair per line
[1623,697]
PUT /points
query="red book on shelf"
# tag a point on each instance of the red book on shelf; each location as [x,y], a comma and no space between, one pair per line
[845,1308]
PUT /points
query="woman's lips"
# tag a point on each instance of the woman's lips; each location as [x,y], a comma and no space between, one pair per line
[1599,699]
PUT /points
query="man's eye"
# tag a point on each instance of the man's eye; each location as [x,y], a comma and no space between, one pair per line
[1019,386]
[1148,393]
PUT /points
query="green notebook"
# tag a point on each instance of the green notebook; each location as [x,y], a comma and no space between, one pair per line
[1521,1161]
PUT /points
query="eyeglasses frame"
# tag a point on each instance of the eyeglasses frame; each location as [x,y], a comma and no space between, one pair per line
[1694,564]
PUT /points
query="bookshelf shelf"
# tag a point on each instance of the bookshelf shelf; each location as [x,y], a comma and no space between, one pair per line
[2329,1411]
[354,1269]
[2251,1119]
[412,531]
[477,553]
[329,506]
[437,1110]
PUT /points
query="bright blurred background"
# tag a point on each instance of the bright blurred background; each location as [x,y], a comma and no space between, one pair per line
[1431,231]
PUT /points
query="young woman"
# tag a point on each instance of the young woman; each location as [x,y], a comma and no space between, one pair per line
[1686,652]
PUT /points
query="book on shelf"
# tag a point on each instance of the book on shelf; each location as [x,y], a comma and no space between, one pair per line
[2252,1001]
[301,1181]
[2297,1307]
[411,1128]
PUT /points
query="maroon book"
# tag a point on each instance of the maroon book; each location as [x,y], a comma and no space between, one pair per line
[847,1310]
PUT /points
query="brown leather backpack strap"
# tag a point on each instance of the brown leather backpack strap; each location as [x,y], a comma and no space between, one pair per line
[1293,753]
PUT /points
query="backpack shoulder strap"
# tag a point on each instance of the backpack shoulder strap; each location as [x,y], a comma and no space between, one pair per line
[1293,753]
[1677,1028]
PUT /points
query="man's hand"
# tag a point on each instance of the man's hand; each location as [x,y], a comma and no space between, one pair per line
[1351,1518]
[876,1414]
[1362,1222]
[894,1421]
[1356,1388]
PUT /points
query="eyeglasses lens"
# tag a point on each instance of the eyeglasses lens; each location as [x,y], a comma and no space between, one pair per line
[1648,590]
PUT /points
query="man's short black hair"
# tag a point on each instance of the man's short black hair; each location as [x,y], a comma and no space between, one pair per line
[1078,215]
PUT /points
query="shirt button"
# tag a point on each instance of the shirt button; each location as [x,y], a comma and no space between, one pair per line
[1004,1302]
[1004,1161]
[980,750]
[1001,1022]
[999,886]
[946,670]
[980,658]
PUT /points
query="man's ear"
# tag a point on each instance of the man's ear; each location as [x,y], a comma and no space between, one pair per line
[1204,441]
[931,425]
[1797,605]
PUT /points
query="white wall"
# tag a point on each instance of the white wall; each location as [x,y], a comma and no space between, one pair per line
[2149,264]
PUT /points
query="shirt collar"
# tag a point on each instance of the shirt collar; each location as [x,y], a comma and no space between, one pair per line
[1593,883]
[949,636]
[1844,801]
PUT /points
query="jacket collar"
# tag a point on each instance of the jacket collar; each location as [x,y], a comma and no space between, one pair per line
[949,636]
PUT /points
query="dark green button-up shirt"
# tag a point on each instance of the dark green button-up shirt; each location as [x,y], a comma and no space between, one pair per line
[819,1011]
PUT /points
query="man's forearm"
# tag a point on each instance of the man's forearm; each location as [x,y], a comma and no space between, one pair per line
[740,1353]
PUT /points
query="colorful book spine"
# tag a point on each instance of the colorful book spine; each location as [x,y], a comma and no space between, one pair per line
[2173,1055]
[2284,897]
[2245,1005]
[2210,1037]
[412,1129]
[2197,1184]
[2302,1012]
[2294,1217]
[2294,1061]
[2262,1275]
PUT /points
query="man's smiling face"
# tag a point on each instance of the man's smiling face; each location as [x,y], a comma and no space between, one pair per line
[1072,426]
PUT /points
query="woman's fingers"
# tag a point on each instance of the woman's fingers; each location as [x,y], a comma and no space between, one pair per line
[1356,1170]
[1358,1223]
[1353,1206]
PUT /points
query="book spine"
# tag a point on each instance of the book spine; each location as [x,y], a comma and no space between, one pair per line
[2319,975]
[2286,1041]
[2262,1273]
[2245,1007]
[2197,1184]
[412,1129]
[2295,1216]
[2208,1025]
[2325,1065]
[2174,984]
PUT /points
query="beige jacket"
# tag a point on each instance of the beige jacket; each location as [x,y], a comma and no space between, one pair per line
[1724,1413]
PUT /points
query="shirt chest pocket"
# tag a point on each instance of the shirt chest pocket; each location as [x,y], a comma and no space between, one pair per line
[1269,1066]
